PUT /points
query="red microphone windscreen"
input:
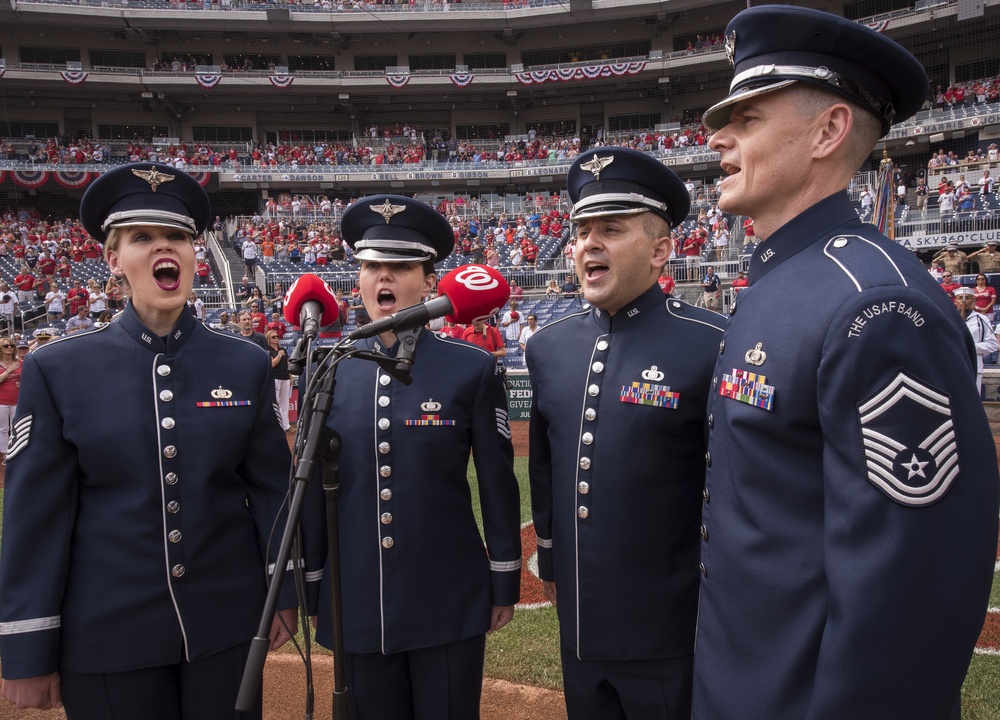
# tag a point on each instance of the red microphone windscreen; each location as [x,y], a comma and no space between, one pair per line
[310,287]
[475,291]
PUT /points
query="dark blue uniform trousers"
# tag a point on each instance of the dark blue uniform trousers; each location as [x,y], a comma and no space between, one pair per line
[444,682]
[626,689]
[205,689]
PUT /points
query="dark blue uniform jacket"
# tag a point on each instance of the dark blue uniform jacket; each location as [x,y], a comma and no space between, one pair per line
[851,500]
[415,571]
[617,469]
[142,482]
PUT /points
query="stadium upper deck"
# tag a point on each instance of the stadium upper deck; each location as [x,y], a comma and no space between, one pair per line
[252,73]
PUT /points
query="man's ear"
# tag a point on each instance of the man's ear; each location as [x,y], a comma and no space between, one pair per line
[833,127]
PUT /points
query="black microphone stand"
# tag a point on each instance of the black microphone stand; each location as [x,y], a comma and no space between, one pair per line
[324,443]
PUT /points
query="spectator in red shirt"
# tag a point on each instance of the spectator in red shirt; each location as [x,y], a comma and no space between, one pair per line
[666,282]
[948,283]
[485,336]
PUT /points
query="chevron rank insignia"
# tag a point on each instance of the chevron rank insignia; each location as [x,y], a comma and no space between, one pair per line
[909,441]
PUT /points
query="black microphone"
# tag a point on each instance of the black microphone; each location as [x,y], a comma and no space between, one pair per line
[466,293]
[409,318]
[310,303]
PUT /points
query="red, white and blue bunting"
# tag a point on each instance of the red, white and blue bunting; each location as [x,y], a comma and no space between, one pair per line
[398,81]
[589,72]
[462,79]
[3,69]
[201,177]
[282,81]
[208,81]
[878,26]
[72,179]
[30,178]
[74,77]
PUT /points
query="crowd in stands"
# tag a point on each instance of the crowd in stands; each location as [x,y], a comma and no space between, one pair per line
[964,94]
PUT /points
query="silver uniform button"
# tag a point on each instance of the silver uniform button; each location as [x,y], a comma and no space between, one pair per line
[587,438]
[383,401]
[582,512]
[169,451]
[583,487]
[704,532]
[840,242]
[702,569]
[167,423]
[383,424]
[708,458]
[706,496]
[590,413]
[715,382]
[385,471]
[383,447]
[387,542]
[174,536]
[386,494]
[585,463]
[384,380]
[722,346]
[166,395]
[177,571]
[597,367]
[386,518]
[170,478]
[173,507]
[593,391]
[711,421]
[602,345]
[163,370]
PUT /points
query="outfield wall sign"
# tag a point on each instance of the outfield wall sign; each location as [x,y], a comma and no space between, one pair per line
[519,395]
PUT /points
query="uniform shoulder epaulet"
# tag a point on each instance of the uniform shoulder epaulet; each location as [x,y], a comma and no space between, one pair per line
[864,261]
[688,312]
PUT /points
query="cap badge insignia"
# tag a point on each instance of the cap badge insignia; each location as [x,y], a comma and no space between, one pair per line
[221,393]
[653,375]
[154,177]
[596,165]
[387,210]
[756,356]
[731,48]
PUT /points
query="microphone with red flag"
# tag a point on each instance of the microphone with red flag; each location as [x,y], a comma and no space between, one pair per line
[310,303]
[466,293]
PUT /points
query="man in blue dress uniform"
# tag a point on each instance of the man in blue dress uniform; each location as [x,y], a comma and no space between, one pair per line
[618,448]
[850,507]
[420,591]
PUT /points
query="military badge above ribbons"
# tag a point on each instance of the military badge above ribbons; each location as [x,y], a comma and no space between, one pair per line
[650,393]
[909,441]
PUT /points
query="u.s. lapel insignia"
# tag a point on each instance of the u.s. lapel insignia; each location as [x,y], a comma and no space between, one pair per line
[387,210]
[747,387]
[756,356]
[431,415]
[597,164]
[650,392]
[909,441]
[222,398]
[154,177]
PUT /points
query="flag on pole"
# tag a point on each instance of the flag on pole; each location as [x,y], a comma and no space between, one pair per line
[883,212]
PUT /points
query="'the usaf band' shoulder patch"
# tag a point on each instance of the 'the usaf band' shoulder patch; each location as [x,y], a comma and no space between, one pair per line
[909,441]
